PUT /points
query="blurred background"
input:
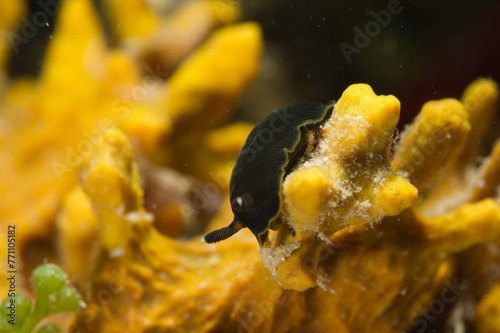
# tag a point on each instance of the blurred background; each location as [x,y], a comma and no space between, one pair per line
[415,50]
[427,50]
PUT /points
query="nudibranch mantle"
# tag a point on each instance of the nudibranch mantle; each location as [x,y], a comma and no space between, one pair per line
[270,152]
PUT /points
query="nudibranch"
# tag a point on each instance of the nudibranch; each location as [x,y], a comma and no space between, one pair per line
[270,152]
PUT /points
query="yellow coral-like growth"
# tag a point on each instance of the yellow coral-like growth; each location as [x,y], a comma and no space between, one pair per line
[232,49]
[487,178]
[480,99]
[102,88]
[434,140]
[386,274]
[348,181]
[104,175]
[171,268]
[353,243]
[158,283]
[488,312]
[204,89]
[175,35]
[455,143]
[137,11]
[78,227]
[10,19]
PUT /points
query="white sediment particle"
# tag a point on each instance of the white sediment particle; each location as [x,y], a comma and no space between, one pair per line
[403,174]
[322,236]
[117,252]
[136,216]
[82,304]
[366,204]
[323,281]
[345,189]
[379,178]
[120,209]
[272,258]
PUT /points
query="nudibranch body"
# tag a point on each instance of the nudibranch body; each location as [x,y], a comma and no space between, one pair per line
[270,152]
